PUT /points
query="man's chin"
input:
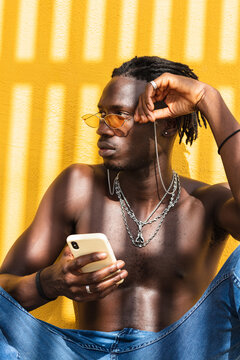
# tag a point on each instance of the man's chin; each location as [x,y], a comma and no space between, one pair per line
[124,166]
[119,167]
[114,167]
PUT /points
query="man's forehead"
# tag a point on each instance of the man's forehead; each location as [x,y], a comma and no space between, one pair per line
[122,91]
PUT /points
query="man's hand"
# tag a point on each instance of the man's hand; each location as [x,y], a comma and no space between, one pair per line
[65,278]
[180,94]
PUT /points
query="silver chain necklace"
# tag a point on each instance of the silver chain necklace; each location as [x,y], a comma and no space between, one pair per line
[139,241]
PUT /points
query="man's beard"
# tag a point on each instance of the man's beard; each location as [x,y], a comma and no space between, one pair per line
[115,167]
[126,167]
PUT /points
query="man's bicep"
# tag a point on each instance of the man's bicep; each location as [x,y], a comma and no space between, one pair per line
[228,218]
[221,206]
[43,241]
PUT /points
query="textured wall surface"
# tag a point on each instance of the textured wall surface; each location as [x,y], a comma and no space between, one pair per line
[56,56]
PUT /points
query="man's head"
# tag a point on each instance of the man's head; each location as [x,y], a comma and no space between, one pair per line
[148,68]
[133,146]
[129,146]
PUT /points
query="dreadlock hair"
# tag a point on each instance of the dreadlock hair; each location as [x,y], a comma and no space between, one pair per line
[149,68]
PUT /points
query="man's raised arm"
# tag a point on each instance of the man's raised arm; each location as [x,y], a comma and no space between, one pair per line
[182,96]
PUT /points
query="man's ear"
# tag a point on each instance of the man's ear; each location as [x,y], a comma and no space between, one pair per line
[170,127]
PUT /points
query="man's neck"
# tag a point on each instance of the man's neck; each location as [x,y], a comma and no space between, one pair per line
[145,185]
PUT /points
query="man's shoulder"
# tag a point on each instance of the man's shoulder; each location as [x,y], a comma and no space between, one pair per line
[205,192]
[192,185]
[77,182]
[81,172]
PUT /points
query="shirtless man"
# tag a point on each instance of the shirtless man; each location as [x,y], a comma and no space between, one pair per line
[166,264]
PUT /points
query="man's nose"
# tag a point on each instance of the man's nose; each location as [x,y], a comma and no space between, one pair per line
[103,129]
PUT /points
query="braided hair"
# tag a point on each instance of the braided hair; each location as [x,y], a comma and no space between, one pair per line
[149,68]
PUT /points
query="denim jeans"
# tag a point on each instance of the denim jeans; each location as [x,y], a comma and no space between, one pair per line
[209,330]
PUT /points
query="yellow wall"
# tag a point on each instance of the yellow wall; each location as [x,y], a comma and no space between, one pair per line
[56,56]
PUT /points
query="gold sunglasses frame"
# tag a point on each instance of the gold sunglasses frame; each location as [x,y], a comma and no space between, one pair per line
[103,118]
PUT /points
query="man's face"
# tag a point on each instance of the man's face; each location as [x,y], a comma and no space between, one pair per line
[133,147]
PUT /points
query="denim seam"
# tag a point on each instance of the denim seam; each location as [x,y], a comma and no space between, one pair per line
[115,344]
[174,327]
[225,352]
[43,324]
[9,343]
[117,338]
[236,280]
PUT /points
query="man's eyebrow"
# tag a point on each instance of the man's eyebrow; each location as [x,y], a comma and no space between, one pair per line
[116,107]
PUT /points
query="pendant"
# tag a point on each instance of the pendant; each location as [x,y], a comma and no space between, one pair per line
[139,240]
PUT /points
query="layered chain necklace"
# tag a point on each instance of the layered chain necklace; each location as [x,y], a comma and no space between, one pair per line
[175,185]
[139,241]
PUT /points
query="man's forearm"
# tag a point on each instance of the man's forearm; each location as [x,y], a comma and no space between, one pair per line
[23,289]
[223,124]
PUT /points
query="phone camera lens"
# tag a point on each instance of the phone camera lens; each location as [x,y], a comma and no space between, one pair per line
[74,245]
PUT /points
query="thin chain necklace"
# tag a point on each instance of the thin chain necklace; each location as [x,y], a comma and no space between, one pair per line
[139,241]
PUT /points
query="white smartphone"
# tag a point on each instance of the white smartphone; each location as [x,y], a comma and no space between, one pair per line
[83,244]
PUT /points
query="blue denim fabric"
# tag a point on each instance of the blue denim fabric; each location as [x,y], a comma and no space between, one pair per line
[209,330]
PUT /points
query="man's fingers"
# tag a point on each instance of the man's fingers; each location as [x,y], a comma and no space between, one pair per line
[151,95]
[148,116]
[95,291]
[78,263]
[108,291]
[83,295]
[99,275]
[93,277]
[67,252]
[136,114]
[164,113]
[145,109]
[142,113]
[99,287]
[148,96]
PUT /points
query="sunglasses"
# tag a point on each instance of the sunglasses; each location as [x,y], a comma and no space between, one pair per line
[114,121]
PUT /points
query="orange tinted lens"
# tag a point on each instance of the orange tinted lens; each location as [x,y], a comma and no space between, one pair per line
[114,121]
[91,120]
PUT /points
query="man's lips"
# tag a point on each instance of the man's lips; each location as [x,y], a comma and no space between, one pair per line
[105,149]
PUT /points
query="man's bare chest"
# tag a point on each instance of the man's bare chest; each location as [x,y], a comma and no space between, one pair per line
[179,250]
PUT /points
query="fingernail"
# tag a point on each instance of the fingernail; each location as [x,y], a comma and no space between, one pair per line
[120,264]
[102,255]
[123,274]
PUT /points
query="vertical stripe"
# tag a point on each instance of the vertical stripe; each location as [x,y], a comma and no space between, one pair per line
[87,137]
[1,22]
[161,27]
[192,154]
[27,26]
[16,163]
[60,30]
[94,31]
[52,139]
[128,29]
[229,30]
[195,30]
[228,95]
[217,169]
